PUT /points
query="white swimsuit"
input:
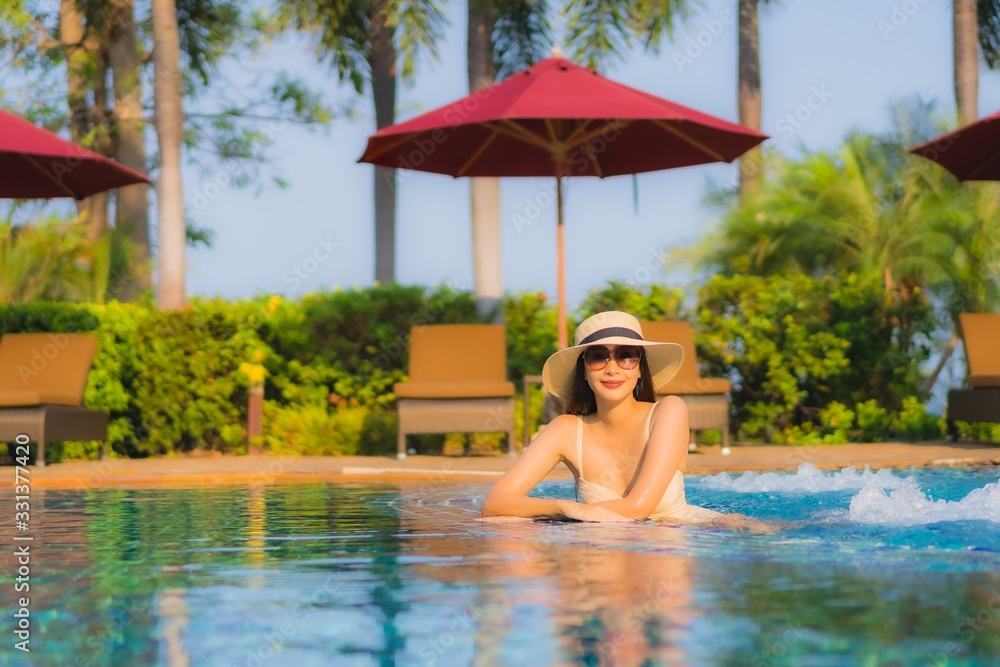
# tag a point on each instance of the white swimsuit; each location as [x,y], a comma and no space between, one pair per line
[672,506]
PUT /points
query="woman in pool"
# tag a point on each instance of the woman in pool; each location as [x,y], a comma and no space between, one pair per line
[627,451]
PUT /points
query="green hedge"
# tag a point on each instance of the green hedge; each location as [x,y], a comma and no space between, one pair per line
[824,360]
[795,346]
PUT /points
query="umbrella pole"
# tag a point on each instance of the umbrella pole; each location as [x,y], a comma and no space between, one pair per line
[560,266]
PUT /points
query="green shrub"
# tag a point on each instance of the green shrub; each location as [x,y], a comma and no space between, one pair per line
[874,421]
[838,423]
[800,350]
[363,331]
[47,316]
[796,344]
[313,431]
[979,431]
[914,423]
[531,333]
[650,302]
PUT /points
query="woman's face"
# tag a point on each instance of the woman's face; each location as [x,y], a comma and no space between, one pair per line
[612,370]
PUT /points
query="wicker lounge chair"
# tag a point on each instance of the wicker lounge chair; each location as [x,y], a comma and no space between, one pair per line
[458,383]
[981,401]
[707,398]
[42,378]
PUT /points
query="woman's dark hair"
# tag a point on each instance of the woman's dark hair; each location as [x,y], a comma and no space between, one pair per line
[580,399]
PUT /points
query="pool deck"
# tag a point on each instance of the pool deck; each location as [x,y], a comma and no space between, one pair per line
[205,470]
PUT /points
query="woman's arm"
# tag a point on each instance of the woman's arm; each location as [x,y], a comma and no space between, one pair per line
[665,450]
[508,497]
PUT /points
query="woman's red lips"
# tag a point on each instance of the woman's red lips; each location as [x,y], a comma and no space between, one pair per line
[612,384]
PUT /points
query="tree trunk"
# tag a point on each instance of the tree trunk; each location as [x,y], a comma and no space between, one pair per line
[485,192]
[965,29]
[98,219]
[749,98]
[77,84]
[946,353]
[169,116]
[382,60]
[86,72]
[132,214]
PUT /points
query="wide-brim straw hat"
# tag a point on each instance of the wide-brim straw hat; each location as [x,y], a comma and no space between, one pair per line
[611,328]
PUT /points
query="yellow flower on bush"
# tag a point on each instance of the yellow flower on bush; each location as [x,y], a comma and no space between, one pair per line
[254,372]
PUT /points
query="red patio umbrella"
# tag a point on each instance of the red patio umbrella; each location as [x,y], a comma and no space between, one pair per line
[558,119]
[36,164]
[971,152]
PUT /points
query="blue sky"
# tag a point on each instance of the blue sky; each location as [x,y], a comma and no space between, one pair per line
[826,68]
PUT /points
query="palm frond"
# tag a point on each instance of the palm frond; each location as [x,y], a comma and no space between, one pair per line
[988,17]
[522,34]
[598,32]
[419,25]
[207,30]
[652,19]
[341,29]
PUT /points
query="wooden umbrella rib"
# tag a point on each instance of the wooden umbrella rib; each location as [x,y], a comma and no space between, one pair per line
[694,142]
[552,131]
[391,145]
[593,160]
[588,136]
[572,138]
[520,132]
[479,151]
[971,176]
[45,172]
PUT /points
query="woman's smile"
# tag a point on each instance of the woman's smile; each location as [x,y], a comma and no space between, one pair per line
[612,384]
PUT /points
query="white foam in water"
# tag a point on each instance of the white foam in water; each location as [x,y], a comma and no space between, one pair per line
[807,478]
[909,506]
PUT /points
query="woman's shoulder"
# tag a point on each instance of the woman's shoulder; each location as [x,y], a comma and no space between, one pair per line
[563,423]
[667,405]
[557,434]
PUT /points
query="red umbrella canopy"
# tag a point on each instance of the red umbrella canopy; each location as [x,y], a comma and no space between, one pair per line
[557,118]
[971,152]
[36,164]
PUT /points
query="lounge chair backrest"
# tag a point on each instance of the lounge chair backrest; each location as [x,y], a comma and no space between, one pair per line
[981,336]
[680,332]
[45,368]
[458,353]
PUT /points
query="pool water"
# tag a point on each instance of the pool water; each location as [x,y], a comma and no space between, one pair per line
[894,568]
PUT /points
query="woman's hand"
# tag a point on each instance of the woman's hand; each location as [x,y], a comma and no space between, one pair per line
[584,512]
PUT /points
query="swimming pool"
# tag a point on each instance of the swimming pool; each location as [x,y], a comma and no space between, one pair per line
[406,574]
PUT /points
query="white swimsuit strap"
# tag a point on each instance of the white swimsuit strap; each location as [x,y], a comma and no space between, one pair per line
[579,444]
[649,420]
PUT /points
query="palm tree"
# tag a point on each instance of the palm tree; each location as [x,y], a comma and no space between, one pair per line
[366,42]
[44,260]
[748,96]
[599,33]
[484,192]
[169,115]
[132,202]
[869,207]
[964,26]
[975,26]
[504,36]
[872,207]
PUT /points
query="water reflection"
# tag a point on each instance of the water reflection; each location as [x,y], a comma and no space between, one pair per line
[600,604]
[402,574]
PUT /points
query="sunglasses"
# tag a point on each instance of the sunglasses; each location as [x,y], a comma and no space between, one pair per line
[626,356]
